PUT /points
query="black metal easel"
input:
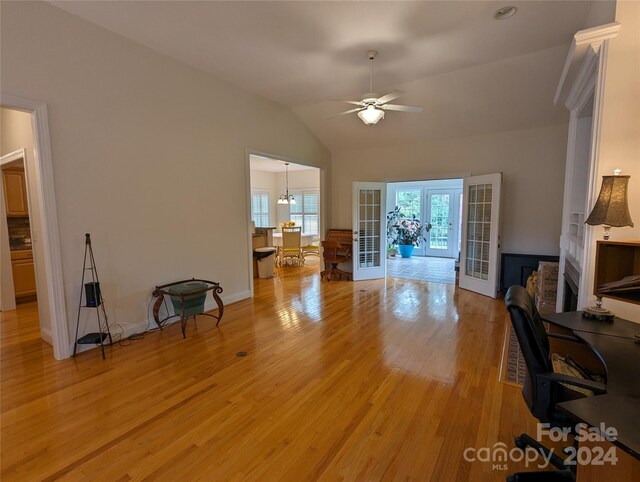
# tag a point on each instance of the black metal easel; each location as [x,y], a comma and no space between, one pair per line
[93,299]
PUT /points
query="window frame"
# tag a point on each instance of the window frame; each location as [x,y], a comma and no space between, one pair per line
[261,192]
[299,197]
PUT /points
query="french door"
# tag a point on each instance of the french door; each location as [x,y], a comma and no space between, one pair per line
[441,207]
[480,237]
[369,230]
[440,212]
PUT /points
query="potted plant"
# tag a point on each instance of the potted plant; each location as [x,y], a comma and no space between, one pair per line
[410,233]
[392,231]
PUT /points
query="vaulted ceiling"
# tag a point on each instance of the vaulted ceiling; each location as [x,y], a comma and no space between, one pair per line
[471,73]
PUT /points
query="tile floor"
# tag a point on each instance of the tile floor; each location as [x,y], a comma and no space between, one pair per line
[438,270]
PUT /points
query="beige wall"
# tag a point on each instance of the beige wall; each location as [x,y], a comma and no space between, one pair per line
[620,134]
[148,153]
[532,162]
[16,133]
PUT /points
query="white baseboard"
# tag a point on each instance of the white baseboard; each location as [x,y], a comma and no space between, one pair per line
[232,298]
[129,329]
[46,335]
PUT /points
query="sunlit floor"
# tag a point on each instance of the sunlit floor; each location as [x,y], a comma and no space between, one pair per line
[351,381]
[422,268]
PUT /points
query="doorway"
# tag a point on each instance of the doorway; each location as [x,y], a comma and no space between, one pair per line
[435,202]
[282,191]
[51,312]
[23,278]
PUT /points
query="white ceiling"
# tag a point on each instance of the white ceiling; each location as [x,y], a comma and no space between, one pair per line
[302,54]
[259,163]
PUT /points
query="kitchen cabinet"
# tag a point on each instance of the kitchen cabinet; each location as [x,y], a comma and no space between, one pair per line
[24,275]
[15,191]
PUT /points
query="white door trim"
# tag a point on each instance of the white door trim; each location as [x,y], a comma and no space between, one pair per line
[13,156]
[50,237]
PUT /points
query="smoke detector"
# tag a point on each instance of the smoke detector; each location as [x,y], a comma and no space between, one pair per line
[505,12]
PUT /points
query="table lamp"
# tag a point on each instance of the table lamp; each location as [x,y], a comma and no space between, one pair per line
[611,210]
[612,207]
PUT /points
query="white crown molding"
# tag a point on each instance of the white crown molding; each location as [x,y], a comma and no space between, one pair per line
[596,34]
[584,41]
[585,80]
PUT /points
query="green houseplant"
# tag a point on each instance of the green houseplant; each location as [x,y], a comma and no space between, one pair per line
[410,233]
[392,231]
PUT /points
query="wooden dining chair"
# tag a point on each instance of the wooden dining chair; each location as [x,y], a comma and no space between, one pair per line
[291,246]
[311,249]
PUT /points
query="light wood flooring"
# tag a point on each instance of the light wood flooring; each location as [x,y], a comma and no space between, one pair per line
[343,381]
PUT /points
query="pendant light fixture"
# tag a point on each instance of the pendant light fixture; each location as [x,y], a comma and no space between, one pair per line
[286,198]
[372,114]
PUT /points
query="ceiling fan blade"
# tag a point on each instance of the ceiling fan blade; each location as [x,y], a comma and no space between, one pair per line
[351,111]
[390,96]
[354,102]
[401,108]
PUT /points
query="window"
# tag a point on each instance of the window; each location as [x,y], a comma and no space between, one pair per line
[409,202]
[305,212]
[260,208]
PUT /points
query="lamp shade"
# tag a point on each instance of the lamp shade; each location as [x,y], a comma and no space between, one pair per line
[612,206]
[371,115]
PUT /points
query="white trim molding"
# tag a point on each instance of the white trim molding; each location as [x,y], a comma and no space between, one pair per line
[585,43]
[13,156]
[582,80]
[50,236]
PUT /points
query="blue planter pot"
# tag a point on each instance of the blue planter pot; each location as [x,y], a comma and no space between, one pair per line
[406,250]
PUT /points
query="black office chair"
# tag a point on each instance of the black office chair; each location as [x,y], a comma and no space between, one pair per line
[542,388]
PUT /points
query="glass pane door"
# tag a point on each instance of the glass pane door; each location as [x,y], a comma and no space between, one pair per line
[369,252]
[369,234]
[479,231]
[479,259]
[440,203]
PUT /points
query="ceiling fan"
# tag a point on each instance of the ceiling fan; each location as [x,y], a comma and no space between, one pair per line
[372,106]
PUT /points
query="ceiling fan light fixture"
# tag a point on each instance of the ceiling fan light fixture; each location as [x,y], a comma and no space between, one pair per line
[371,115]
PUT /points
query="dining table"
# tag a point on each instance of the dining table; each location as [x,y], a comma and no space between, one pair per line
[305,239]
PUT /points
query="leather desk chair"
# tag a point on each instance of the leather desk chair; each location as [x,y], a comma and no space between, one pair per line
[542,388]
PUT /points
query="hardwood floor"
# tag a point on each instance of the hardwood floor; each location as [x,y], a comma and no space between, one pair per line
[354,381]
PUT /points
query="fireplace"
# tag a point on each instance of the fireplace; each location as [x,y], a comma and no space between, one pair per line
[571,284]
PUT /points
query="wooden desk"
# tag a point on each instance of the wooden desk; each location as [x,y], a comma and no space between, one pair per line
[615,344]
[574,321]
[344,237]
